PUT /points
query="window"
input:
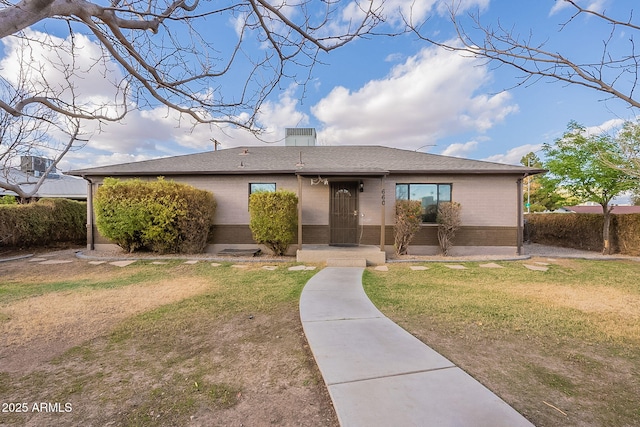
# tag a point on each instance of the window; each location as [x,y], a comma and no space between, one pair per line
[260,187]
[429,196]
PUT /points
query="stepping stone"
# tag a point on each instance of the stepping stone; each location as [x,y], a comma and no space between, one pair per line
[215,264]
[297,268]
[191,261]
[56,261]
[541,263]
[491,265]
[418,268]
[269,267]
[310,268]
[122,263]
[455,266]
[159,263]
[381,268]
[37,259]
[97,262]
[536,267]
[240,266]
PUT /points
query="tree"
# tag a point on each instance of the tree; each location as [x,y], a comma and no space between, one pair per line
[541,191]
[575,161]
[155,53]
[628,139]
[607,70]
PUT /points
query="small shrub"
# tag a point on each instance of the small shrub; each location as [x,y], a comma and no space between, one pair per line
[274,219]
[448,220]
[408,220]
[163,216]
[8,200]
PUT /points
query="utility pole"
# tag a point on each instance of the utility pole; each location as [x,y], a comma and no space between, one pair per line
[215,144]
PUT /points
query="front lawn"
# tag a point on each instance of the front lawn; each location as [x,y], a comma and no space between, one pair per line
[561,346]
[155,345]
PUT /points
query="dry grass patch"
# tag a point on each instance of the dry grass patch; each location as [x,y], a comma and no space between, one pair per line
[201,346]
[562,346]
[42,327]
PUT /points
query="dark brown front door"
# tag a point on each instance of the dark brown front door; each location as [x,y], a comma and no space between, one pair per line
[343,217]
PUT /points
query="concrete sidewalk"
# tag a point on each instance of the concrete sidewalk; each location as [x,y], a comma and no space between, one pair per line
[380,375]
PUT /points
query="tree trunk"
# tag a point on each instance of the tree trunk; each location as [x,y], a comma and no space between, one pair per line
[606,249]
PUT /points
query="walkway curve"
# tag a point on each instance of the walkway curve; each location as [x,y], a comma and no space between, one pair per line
[380,375]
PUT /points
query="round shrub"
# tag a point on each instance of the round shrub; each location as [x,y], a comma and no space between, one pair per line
[274,219]
[163,216]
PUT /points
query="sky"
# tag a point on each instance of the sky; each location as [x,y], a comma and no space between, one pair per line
[394,91]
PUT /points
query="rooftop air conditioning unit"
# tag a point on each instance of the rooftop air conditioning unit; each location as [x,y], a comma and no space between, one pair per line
[300,137]
[35,165]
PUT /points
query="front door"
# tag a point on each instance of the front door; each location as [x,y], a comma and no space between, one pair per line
[343,217]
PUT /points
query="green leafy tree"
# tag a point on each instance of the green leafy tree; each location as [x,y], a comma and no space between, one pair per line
[628,139]
[542,191]
[274,219]
[576,161]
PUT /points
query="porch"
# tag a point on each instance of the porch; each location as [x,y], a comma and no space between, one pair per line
[341,256]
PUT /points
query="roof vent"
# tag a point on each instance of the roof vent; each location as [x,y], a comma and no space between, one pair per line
[300,137]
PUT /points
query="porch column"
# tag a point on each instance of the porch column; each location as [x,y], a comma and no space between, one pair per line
[520,218]
[299,212]
[90,220]
[382,213]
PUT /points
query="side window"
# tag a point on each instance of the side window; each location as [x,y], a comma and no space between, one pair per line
[259,187]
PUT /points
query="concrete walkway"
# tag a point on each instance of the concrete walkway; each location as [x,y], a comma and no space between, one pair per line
[380,375]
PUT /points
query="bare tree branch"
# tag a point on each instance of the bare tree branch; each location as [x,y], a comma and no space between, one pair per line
[182,54]
[609,72]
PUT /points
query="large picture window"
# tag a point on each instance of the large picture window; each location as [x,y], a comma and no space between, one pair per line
[429,195]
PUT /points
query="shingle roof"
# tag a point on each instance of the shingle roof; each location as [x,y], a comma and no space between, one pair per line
[337,160]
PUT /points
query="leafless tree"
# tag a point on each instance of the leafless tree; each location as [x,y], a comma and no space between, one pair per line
[187,55]
[610,71]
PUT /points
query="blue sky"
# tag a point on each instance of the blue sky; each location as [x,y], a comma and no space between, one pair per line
[399,92]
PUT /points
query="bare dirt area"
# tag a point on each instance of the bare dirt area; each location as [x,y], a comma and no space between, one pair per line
[110,347]
[45,326]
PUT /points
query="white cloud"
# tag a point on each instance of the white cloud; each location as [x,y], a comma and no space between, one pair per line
[160,132]
[514,155]
[431,95]
[606,127]
[73,70]
[460,149]
[593,5]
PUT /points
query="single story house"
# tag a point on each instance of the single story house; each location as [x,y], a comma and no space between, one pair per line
[346,194]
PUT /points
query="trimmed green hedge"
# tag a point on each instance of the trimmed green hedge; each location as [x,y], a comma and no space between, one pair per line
[274,219]
[44,223]
[162,216]
[628,233]
[584,231]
